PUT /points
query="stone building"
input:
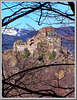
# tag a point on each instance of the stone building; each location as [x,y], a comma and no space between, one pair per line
[45,34]
[48,31]
[19,46]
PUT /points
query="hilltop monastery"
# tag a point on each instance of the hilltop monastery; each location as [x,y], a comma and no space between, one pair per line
[46,34]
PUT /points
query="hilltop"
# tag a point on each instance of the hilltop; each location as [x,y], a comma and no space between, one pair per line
[43,49]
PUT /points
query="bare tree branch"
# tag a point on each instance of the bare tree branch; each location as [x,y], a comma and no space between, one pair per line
[11,20]
[12,6]
[31,91]
[71,4]
[39,67]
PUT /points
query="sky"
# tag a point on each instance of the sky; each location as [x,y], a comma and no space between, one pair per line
[27,23]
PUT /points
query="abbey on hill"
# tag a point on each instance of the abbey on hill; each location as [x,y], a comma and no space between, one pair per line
[47,35]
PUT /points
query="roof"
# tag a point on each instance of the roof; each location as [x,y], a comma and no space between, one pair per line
[48,29]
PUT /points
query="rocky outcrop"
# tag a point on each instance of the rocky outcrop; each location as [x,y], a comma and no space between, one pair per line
[9,62]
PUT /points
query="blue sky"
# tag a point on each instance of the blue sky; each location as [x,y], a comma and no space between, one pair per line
[23,22]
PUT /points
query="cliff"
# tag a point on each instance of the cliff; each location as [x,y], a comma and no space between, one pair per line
[43,49]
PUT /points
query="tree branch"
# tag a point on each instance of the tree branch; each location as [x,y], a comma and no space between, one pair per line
[39,67]
[19,16]
[54,10]
[71,4]
[31,91]
[12,6]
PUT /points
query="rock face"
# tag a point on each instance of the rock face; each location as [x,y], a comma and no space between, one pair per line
[39,51]
[9,62]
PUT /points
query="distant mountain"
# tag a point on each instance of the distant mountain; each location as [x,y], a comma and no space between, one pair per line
[15,31]
[10,35]
[65,30]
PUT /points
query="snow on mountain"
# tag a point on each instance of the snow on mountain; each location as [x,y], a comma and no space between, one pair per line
[14,31]
[10,35]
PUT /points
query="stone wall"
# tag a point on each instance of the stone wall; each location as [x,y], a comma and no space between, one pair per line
[19,46]
[31,48]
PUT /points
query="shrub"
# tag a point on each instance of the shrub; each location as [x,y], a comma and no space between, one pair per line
[44,64]
[44,51]
[40,58]
[27,54]
[41,46]
[32,63]
[52,56]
